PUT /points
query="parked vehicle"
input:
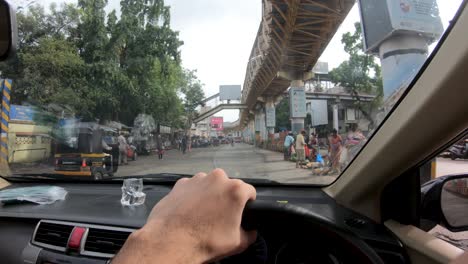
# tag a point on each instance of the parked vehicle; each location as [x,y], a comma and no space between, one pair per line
[143,134]
[87,158]
[459,151]
[132,152]
[215,142]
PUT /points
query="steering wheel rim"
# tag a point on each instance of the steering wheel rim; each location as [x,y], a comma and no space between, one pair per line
[259,213]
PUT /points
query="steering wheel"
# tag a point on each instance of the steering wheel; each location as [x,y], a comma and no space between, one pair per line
[298,222]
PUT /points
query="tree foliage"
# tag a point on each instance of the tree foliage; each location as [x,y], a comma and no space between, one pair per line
[98,65]
[360,73]
[282,115]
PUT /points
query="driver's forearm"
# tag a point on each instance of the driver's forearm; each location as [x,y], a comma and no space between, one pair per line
[148,245]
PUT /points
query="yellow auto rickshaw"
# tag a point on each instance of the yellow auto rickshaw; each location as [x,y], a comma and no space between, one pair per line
[83,152]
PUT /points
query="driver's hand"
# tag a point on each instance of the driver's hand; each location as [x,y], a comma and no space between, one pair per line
[197,222]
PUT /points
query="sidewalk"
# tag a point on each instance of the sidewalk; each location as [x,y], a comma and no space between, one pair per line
[286,171]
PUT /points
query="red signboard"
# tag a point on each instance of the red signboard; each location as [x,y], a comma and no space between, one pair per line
[217,123]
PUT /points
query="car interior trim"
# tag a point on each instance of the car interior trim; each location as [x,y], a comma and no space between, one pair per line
[423,247]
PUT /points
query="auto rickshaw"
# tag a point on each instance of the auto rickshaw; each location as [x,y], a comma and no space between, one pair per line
[80,152]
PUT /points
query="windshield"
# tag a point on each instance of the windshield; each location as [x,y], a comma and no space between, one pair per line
[287,92]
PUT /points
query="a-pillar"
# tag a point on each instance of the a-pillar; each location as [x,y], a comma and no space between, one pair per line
[297,122]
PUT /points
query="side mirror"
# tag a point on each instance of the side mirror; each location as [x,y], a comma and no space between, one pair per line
[8,30]
[444,201]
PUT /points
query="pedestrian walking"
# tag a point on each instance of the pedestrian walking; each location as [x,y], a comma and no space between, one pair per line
[184,144]
[300,150]
[288,142]
[160,147]
[335,148]
[122,149]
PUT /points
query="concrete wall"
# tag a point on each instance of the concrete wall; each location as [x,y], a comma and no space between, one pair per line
[28,143]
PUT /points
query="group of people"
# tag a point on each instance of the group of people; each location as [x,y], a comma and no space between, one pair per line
[124,145]
[183,143]
[308,147]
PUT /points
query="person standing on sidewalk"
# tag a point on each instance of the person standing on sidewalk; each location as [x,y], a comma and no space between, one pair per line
[189,143]
[122,149]
[335,151]
[288,141]
[160,147]
[300,151]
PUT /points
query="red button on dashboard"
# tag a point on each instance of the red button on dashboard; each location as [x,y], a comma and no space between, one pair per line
[75,237]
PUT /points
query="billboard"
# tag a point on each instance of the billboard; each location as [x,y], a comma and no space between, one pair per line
[229,92]
[297,102]
[21,113]
[321,67]
[319,112]
[381,19]
[217,123]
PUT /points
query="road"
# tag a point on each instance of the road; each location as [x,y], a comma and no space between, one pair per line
[240,161]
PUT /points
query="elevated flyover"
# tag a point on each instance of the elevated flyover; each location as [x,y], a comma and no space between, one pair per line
[216,109]
[291,37]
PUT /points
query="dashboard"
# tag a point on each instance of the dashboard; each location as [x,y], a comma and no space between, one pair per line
[91,225]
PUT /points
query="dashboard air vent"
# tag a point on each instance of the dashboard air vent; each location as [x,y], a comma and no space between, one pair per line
[53,234]
[105,241]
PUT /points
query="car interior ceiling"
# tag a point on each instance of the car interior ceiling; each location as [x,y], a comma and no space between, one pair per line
[341,222]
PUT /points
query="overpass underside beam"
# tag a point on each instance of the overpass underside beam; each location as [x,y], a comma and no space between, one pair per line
[291,37]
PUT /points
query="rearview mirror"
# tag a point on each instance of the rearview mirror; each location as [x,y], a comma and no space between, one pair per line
[8,30]
[444,201]
[454,202]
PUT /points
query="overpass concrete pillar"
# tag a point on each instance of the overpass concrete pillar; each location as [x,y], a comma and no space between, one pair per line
[297,105]
[270,115]
[335,117]
[297,98]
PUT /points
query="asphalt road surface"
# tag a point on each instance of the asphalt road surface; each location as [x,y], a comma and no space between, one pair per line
[239,161]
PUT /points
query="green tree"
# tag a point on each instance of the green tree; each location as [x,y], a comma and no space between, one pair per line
[282,115]
[192,90]
[359,74]
[101,66]
[52,74]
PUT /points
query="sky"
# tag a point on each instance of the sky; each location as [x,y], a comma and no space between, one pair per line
[218,36]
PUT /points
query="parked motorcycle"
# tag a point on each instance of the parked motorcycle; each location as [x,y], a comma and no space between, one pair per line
[458,151]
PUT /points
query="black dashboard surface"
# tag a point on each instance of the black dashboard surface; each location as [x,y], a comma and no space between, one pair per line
[100,204]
